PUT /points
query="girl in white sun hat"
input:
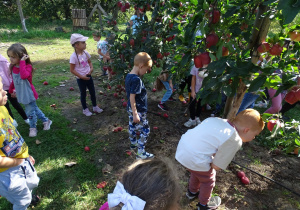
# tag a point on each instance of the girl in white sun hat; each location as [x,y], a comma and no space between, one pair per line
[82,67]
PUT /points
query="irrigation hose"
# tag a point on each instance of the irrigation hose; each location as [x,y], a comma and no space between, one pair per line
[181,132]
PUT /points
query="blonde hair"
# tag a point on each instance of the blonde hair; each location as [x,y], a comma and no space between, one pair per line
[154,181]
[142,58]
[249,118]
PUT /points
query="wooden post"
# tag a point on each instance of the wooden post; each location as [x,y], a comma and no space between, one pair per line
[100,19]
[79,18]
[21,16]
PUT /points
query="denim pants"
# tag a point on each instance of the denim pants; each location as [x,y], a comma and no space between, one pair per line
[142,128]
[248,101]
[33,112]
[83,84]
[17,183]
[168,93]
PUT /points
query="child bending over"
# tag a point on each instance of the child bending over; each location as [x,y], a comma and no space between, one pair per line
[211,146]
[147,184]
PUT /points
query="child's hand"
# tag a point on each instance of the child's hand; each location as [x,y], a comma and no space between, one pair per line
[32,160]
[25,57]
[13,95]
[85,78]
[193,94]
[136,118]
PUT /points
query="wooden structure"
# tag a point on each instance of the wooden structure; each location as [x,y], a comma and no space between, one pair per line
[79,19]
[100,10]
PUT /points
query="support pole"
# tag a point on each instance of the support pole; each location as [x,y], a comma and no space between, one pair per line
[22,16]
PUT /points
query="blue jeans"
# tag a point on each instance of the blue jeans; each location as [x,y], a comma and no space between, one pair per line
[168,93]
[248,101]
[83,84]
[33,112]
[17,184]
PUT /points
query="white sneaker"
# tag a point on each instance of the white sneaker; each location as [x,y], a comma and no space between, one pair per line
[198,121]
[96,109]
[26,121]
[214,202]
[208,107]
[32,132]
[144,156]
[47,125]
[87,112]
[190,123]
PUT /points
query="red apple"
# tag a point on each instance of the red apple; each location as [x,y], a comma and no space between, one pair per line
[116,95]
[45,83]
[171,24]
[115,130]
[276,49]
[291,97]
[71,89]
[211,40]
[101,184]
[170,38]
[154,90]
[159,113]
[148,8]
[205,59]
[120,128]
[225,51]
[128,153]
[105,68]
[166,115]
[144,39]
[124,45]
[295,36]
[109,69]
[131,42]
[215,17]
[87,149]
[108,87]
[127,5]
[152,33]
[264,47]
[124,104]
[271,124]
[240,174]
[183,16]
[198,61]
[245,180]
[119,4]
[123,8]
[155,128]
[159,56]
[244,26]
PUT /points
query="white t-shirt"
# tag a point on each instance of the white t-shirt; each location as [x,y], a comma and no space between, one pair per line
[81,62]
[197,146]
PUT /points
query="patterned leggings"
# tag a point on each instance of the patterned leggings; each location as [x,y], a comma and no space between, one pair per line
[139,132]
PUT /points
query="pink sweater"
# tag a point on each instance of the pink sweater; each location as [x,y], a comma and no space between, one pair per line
[25,72]
[4,73]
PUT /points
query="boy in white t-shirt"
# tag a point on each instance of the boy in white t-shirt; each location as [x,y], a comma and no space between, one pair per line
[102,49]
[211,146]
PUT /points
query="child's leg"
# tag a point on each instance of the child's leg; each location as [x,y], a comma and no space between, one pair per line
[132,131]
[14,102]
[192,108]
[168,93]
[40,115]
[82,87]
[203,182]
[91,87]
[199,108]
[145,131]
[276,102]
[17,183]
[30,111]
[248,101]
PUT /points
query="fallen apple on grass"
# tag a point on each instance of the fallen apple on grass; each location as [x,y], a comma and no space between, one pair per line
[124,104]
[154,90]
[115,130]
[87,149]
[71,89]
[166,115]
[240,174]
[45,83]
[101,184]
[155,128]
[128,153]
[120,128]
[245,180]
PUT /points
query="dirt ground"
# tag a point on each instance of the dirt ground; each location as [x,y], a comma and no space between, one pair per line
[259,194]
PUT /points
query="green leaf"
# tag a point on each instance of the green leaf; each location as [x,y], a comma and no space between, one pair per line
[195,2]
[257,83]
[289,11]
[297,142]
[269,2]
[186,58]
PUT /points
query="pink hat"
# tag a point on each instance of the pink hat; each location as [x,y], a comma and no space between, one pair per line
[78,38]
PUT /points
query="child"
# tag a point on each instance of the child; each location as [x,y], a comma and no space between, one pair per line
[17,174]
[102,49]
[22,87]
[82,67]
[167,81]
[6,80]
[150,185]
[211,146]
[196,84]
[137,104]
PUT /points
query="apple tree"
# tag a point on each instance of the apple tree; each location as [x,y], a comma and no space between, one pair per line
[229,36]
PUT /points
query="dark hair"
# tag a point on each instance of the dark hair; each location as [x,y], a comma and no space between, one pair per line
[97,34]
[19,51]
[153,181]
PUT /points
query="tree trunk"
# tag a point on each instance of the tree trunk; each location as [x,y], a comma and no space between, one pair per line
[21,16]
[259,33]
